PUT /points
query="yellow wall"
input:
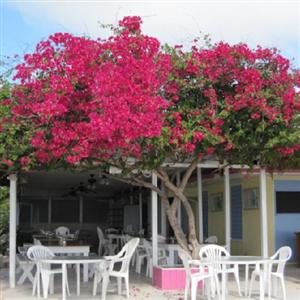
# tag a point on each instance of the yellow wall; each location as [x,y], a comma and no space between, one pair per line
[250,244]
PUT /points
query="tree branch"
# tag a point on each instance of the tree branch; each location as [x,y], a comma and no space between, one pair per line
[188,174]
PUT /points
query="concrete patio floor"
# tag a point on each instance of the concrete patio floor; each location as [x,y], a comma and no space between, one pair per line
[140,288]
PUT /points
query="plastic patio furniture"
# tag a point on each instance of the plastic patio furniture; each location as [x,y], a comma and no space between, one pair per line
[279,260]
[36,254]
[215,252]
[62,231]
[123,257]
[104,246]
[193,278]
[25,267]
[162,257]
[211,240]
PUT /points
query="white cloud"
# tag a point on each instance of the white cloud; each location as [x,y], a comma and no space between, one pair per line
[269,23]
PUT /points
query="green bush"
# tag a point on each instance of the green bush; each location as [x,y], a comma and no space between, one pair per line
[4,219]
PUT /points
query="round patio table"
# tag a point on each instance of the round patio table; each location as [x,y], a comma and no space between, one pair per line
[240,260]
[73,260]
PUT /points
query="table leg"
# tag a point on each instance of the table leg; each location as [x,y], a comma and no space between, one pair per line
[26,273]
[246,279]
[78,278]
[85,270]
[64,270]
[171,253]
[223,289]
[38,280]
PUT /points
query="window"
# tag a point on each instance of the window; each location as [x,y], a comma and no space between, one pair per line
[65,210]
[236,208]
[287,202]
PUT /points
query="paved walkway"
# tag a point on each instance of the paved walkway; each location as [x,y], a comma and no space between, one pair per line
[140,288]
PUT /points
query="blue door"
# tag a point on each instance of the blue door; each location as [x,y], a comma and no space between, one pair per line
[287,213]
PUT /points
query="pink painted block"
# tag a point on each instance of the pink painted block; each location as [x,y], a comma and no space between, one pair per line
[171,278]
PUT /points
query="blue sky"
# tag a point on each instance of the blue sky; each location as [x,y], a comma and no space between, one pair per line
[269,23]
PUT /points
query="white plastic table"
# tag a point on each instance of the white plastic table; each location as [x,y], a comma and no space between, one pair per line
[73,249]
[76,260]
[240,260]
[173,251]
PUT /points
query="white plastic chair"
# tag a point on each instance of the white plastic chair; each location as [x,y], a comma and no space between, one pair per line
[280,259]
[122,257]
[104,246]
[62,231]
[139,256]
[36,254]
[211,240]
[192,279]
[162,258]
[215,252]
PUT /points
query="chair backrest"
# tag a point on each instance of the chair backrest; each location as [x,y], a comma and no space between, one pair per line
[38,252]
[283,254]
[76,234]
[211,240]
[101,240]
[62,231]
[185,257]
[37,242]
[126,253]
[161,238]
[213,253]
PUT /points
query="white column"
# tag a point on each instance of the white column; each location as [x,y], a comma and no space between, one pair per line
[263,213]
[163,217]
[12,229]
[227,209]
[200,205]
[179,205]
[154,221]
[141,208]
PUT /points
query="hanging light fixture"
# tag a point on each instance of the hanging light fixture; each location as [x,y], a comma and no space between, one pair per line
[92,182]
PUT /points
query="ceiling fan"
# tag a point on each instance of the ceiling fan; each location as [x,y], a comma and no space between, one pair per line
[89,187]
[82,188]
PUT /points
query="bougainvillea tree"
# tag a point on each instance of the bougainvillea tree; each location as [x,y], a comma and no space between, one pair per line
[129,103]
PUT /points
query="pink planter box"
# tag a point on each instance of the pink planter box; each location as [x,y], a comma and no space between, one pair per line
[172,278]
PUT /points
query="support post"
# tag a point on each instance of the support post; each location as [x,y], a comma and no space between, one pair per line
[12,229]
[154,221]
[141,208]
[227,209]
[200,205]
[263,213]
[163,217]
[179,206]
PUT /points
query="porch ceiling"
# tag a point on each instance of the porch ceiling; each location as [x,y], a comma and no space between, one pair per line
[62,182]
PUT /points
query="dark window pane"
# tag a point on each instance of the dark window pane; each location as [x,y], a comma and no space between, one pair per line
[95,210]
[64,210]
[287,202]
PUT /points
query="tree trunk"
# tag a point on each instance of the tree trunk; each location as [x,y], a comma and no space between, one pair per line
[173,220]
